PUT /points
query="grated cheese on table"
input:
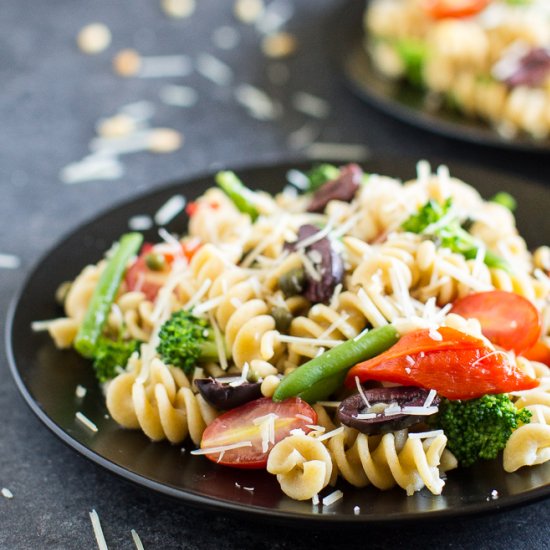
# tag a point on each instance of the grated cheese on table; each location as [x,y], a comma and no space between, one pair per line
[98,531]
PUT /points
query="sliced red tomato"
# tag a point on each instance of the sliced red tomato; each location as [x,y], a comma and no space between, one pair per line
[192,207]
[539,352]
[441,9]
[507,319]
[142,278]
[243,425]
[458,366]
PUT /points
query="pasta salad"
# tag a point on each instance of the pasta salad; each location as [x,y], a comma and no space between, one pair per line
[489,59]
[351,326]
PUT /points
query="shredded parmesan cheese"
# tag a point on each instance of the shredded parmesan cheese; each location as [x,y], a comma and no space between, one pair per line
[98,531]
[361,392]
[308,341]
[86,422]
[137,540]
[218,337]
[419,411]
[222,448]
[169,210]
[425,435]
[430,398]
[330,434]
[332,498]
[6,493]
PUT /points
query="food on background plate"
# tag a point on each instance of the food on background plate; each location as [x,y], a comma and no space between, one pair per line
[488,59]
[350,326]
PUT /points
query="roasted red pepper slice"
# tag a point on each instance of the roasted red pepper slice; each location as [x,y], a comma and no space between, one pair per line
[458,366]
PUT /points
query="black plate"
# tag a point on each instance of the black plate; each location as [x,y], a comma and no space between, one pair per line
[47,379]
[402,100]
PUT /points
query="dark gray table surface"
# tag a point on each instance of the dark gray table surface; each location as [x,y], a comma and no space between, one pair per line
[51,95]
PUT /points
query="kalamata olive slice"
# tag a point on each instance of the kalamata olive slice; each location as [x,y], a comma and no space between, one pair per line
[390,409]
[327,264]
[530,70]
[343,188]
[224,396]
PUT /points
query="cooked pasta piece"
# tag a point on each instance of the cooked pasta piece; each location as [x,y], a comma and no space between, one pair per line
[163,407]
[392,459]
[302,464]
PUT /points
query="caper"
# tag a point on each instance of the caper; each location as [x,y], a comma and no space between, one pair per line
[282,317]
[155,261]
[292,282]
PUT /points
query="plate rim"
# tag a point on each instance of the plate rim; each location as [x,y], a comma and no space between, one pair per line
[215,503]
[347,32]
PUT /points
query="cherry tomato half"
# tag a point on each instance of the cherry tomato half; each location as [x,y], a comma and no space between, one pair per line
[441,9]
[244,424]
[507,319]
[142,278]
[540,352]
[452,366]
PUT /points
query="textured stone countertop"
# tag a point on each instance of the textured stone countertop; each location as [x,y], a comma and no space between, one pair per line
[51,97]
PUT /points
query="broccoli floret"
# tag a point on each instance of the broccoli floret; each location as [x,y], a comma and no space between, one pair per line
[430,213]
[320,174]
[479,428]
[112,355]
[450,235]
[185,340]
[413,54]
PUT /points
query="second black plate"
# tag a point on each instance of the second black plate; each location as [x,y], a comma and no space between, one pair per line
[47,378]
[402,100]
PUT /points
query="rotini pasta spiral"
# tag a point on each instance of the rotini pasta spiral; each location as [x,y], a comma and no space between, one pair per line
[163,407]
[302,464]
[530,443]
[394,458]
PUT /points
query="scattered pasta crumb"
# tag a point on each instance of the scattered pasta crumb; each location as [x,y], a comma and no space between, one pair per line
[279,45]
[248,11]
[6,493]
[165,140]
[116,126]
[127,62]
[94,38]
[178,9]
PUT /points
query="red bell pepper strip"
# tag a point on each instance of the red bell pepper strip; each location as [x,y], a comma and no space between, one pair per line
[458,366]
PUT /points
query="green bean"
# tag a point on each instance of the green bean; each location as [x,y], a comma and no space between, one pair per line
[335,361]
[243,198]
[324,388]
[104,294]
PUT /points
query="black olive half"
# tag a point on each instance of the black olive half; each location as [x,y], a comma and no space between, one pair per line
[224,396]
[379,399]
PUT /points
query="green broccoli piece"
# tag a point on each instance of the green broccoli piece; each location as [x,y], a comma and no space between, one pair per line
[243,198]
[479,428]
[185,340]
[112,355]
[320,174]
[429,214]
[449,235]
[413,54]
